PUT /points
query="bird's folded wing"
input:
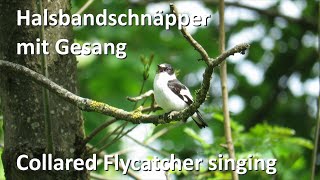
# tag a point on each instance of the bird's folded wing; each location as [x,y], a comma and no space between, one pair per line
[180,90]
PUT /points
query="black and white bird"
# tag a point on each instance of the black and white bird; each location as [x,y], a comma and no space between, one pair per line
[171,95]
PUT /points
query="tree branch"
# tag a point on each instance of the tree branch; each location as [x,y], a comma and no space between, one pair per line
[148,147]
[104,141]
[316,141]
[271,13]
[240,48]
[224,89]
[142,96]
[45,92]
[111,121]
[135,116]
[118,136]
[190,39]
[160,133]
[99,129]
[84,7]
[303,21]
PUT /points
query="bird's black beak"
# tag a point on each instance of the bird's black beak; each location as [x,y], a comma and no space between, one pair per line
[160,69]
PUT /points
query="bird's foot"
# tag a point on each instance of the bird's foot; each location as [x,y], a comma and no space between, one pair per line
[171,114]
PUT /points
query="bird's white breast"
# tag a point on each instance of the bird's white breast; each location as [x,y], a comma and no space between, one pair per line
[163,95]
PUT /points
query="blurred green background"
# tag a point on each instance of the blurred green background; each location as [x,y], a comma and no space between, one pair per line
[273,88]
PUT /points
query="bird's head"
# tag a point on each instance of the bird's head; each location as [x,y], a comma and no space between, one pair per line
[165,68]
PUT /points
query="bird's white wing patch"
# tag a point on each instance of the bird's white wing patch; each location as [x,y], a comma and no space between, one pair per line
[186,92]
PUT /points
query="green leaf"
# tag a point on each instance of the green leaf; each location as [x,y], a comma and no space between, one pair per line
[235,126]
[301,142]
[196,137]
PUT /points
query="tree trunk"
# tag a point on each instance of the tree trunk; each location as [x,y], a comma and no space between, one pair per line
[22,99]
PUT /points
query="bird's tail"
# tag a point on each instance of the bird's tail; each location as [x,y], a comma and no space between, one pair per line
[197,117]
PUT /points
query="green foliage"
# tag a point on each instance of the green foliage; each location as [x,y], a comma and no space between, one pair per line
[146,66]
[274,121]
[262,141]
[190,132]
[1,166]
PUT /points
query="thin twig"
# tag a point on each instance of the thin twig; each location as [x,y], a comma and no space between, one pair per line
[117,131]
[84,7]
[111,121]
[160,133]
[146,68]
[142,96]
[303,21]
[119,136]
[224,89]
[152,108]
[104,140]
[240,48]
[99,129]
[148,147]
[45,92]
[317,133]
[122,151]
[167,175]
[316,142]
[141,89]
[97,176]
[140,92]
[125,133]
[191,40]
